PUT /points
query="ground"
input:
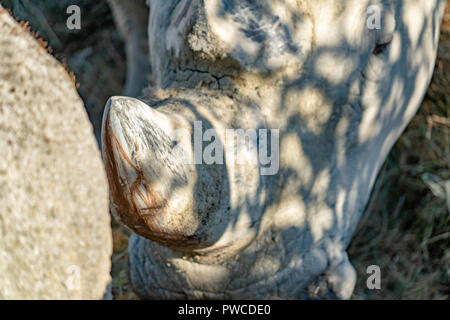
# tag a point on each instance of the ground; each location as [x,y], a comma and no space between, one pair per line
[406,227]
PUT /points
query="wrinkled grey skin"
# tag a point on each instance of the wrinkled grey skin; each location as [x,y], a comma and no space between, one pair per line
[340,94]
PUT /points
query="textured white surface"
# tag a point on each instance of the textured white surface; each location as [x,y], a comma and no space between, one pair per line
[55,238]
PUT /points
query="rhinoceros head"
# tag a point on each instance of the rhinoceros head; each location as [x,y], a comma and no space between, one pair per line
[317,91]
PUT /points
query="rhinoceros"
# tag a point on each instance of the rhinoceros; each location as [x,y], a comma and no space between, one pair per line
[316,91]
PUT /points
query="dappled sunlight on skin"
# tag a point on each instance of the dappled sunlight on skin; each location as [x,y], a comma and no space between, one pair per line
[405,227]
[414,20]
[338,117]
[335,69]
[286,38]
[301,164]
[395,50]
[369,128]
[341,141]
[304,105]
